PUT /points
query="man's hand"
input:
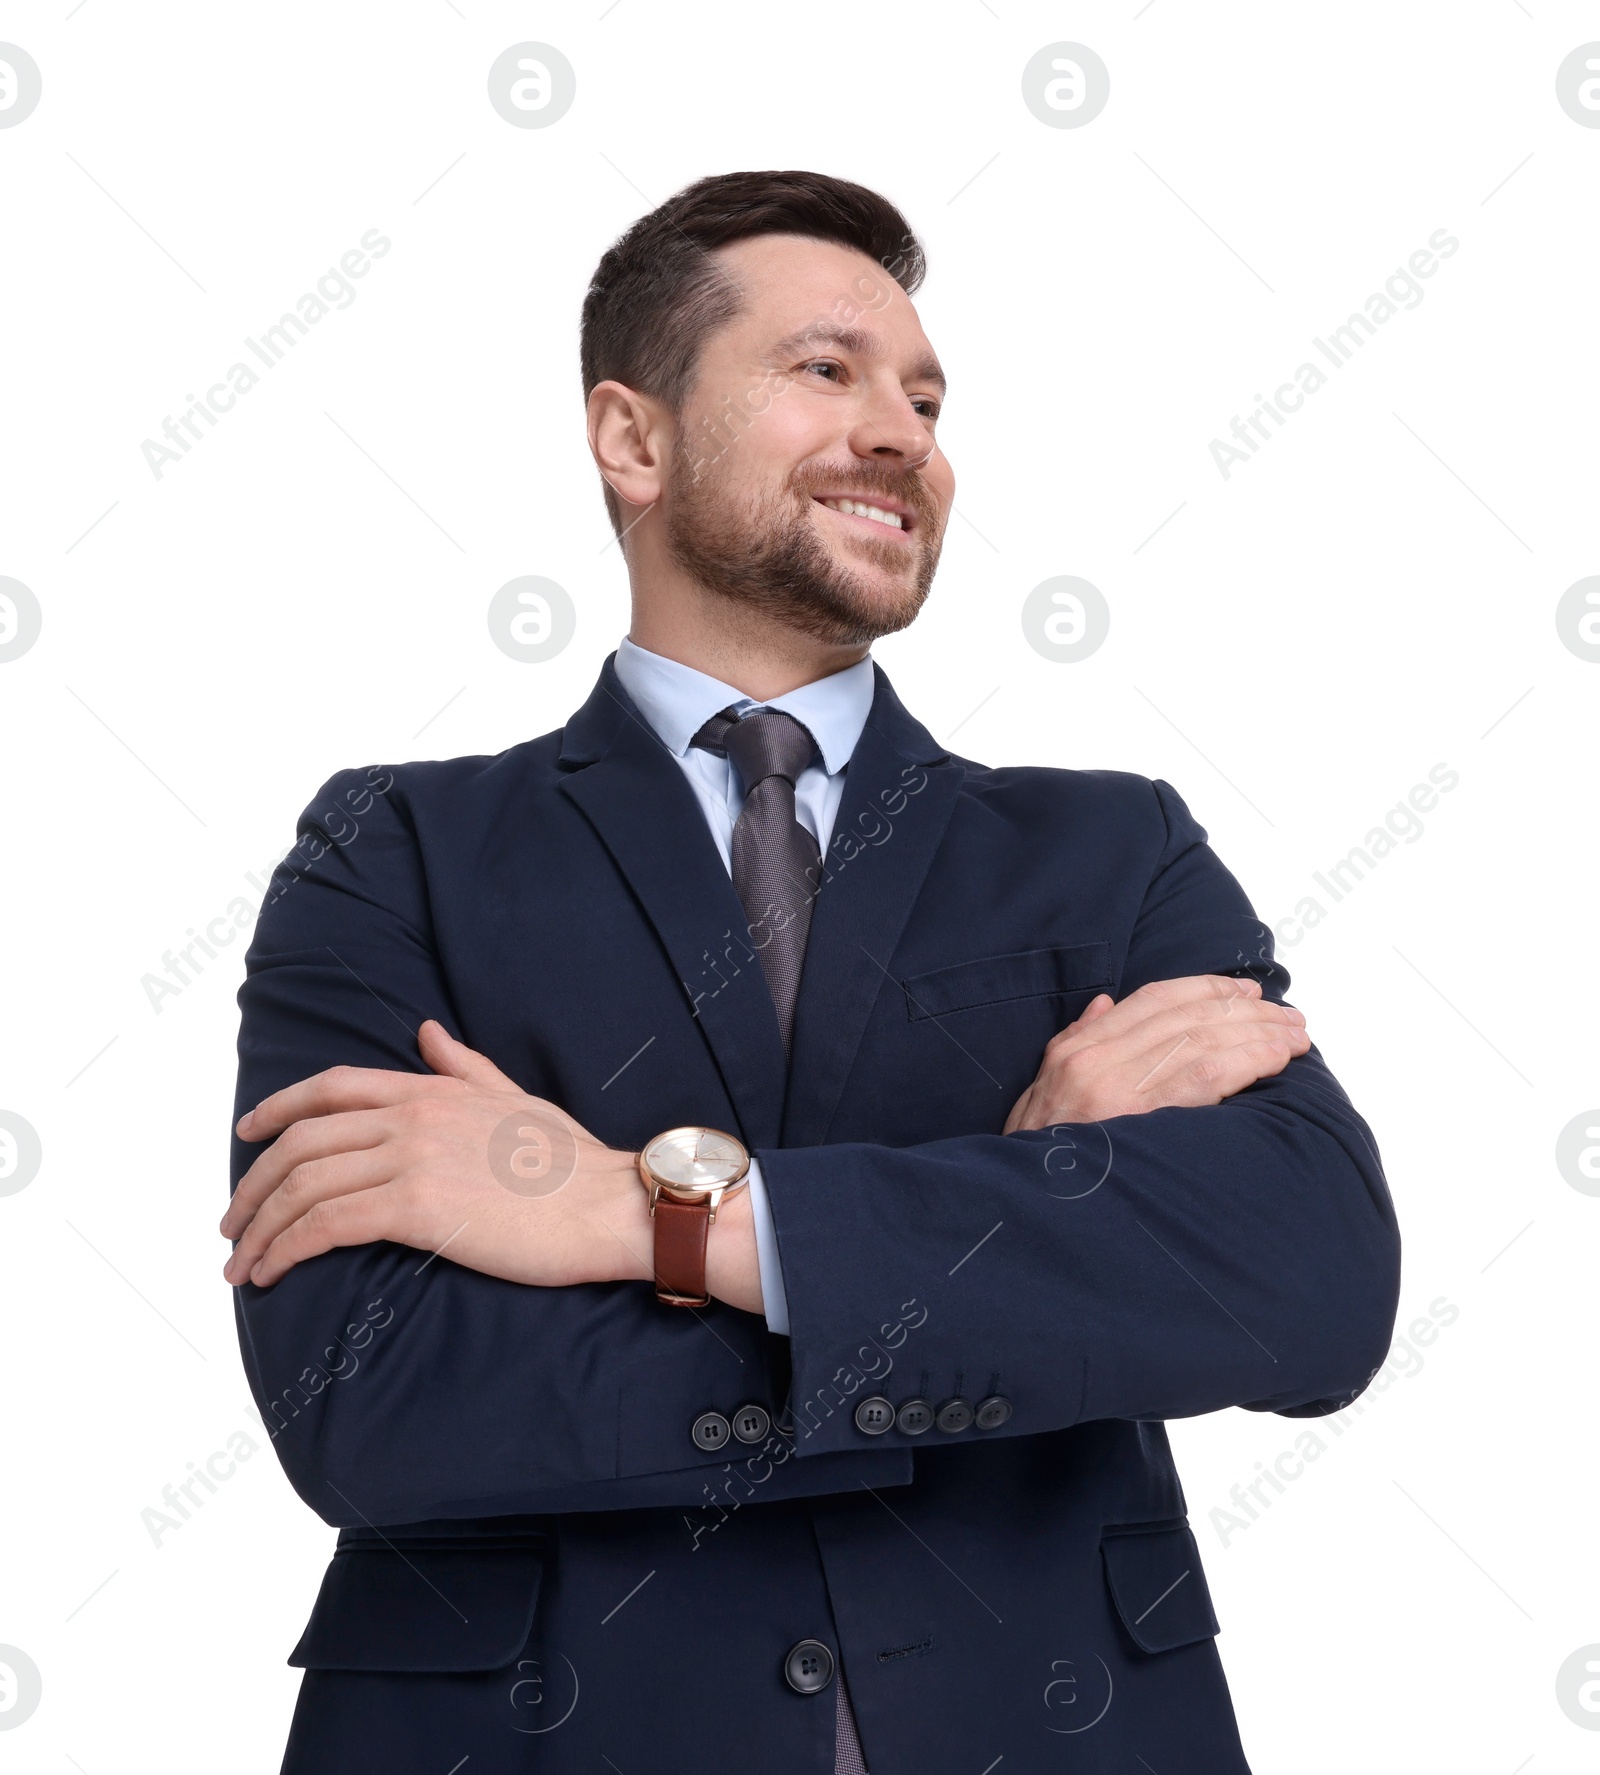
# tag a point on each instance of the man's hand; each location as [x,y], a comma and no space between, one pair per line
[465,1161]
[1172,1043]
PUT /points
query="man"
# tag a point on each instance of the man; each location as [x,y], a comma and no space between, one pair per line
[745,1185]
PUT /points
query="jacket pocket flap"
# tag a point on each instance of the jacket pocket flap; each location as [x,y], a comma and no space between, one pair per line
[1158,1586]
[422,1609]
[1034,973]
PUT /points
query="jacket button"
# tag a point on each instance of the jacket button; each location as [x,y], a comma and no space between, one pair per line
[954,1415]
[915,1416]
[992,1412]
[809,1667]
[710,1431]
[873,1417]
[751,1423]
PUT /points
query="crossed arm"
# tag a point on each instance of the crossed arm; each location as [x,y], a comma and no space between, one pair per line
[1243,1249]
[361,1155]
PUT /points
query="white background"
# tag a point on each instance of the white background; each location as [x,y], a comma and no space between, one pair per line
[1372,594]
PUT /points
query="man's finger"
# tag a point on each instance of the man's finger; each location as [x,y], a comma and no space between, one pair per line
[315,1138]
[1194,1072]
[1019,1110]
[1134,1029]
[340,1088]
[1216,1014]
[317,1180]
[360,1219]
[1197,986]
[1092,1012]
[1163,998]
[456,1060]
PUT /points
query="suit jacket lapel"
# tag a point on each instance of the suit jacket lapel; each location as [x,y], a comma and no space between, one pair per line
[899,794]
[633,792]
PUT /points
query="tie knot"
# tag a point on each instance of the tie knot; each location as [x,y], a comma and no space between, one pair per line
[765,743]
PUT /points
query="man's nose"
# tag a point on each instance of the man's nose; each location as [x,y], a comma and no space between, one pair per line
[887,427]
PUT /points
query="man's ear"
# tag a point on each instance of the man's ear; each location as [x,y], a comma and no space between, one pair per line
[630,435]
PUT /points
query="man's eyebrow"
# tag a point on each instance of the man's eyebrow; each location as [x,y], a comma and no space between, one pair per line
[850,339]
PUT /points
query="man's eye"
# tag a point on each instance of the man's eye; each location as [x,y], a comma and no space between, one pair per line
[824,369]
[928,409]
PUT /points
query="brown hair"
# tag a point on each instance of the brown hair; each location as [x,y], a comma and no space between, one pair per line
[658,294]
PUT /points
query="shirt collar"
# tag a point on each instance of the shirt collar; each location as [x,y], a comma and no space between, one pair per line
[677,701]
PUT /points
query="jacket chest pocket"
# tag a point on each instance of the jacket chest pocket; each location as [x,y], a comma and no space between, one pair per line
[1079,971]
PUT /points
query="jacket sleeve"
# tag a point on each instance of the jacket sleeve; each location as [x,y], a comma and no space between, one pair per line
[1150,1266]
[398,1387]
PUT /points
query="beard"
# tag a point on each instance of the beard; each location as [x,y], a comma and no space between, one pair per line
[765,554]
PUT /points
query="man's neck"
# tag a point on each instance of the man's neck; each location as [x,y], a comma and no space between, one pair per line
[740,647]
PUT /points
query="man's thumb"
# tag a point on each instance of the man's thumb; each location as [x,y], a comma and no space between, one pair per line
[456,1060]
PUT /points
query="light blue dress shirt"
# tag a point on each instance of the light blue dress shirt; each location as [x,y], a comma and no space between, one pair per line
[677,701]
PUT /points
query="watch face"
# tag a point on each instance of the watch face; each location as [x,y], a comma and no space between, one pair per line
[695,1158]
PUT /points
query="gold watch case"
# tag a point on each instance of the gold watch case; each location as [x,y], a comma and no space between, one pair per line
[694,1165]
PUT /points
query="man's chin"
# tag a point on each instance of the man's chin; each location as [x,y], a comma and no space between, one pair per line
[860,608]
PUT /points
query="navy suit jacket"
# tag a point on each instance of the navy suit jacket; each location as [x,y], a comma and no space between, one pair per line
[538,1565]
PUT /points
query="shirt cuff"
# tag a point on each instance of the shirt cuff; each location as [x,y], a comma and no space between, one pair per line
[774,1302]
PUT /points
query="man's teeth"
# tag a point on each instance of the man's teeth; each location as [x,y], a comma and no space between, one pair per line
[859,509]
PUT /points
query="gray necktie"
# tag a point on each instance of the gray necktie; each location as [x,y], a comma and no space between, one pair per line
[777,867]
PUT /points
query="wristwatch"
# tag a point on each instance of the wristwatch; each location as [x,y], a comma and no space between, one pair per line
[688,1173]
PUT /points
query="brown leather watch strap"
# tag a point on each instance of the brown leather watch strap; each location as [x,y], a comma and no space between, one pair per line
[680,1259]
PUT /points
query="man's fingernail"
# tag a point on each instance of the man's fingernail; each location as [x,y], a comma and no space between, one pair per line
[244,1122]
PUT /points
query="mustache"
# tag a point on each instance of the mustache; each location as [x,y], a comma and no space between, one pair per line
[864,479]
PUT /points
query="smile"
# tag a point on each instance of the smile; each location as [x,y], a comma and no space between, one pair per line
[889,516]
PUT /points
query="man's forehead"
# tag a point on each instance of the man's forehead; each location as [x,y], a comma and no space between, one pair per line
[805,295]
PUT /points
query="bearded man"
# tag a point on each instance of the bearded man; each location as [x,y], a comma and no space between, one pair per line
[728,1192]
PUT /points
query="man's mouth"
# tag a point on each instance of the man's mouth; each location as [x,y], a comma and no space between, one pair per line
[880,514]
